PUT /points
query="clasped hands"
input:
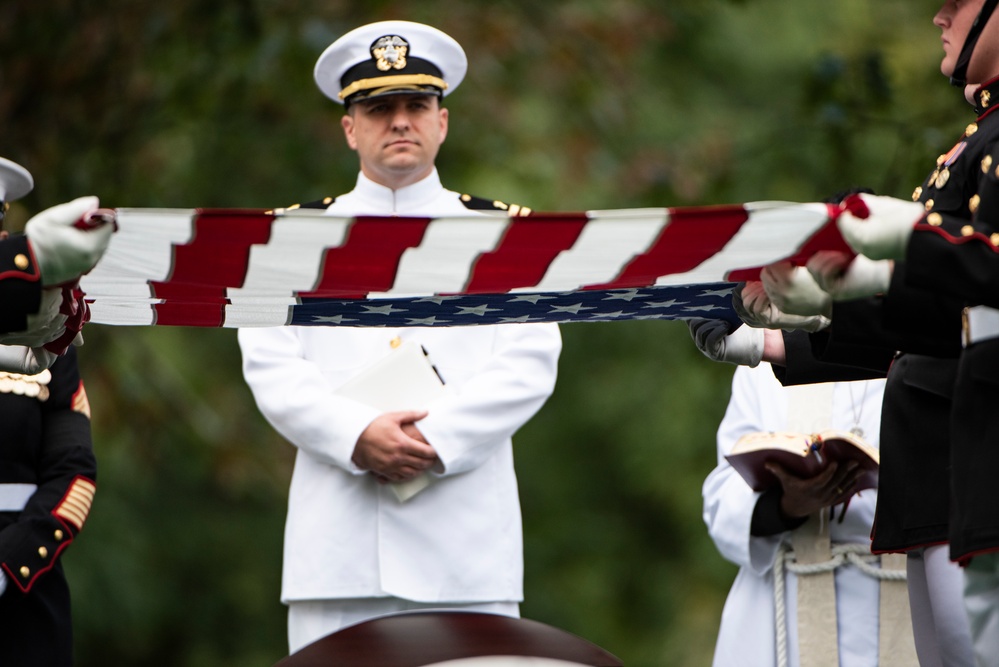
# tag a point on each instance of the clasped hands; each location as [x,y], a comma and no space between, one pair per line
[393,449]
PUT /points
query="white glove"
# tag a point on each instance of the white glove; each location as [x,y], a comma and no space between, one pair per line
[44,326]
[3,582]
[794,291]
[755,309]
[25,360]
[845,278]
[743,347]
[884,232]
[64,251]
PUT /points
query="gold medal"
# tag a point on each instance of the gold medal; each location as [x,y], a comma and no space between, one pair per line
[943,177]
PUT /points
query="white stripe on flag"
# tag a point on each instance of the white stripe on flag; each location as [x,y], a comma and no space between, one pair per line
[442,262]
[607,243]
[291,261]
[775,230]
[108,311]
[142,246]
[257,313]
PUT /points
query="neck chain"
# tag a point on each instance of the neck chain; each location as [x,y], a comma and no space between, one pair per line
[858,410]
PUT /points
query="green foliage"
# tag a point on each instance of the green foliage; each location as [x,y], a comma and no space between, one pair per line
[568,105]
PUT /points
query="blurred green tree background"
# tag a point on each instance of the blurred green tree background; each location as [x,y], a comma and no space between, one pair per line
[568,105]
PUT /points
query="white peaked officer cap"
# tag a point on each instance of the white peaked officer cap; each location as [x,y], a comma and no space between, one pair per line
[390,58]
[15,181]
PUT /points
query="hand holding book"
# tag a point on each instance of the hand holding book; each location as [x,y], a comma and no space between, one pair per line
[802,497]
[805,457]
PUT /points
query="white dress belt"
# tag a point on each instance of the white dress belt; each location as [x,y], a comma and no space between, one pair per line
[13,497]
[980,323]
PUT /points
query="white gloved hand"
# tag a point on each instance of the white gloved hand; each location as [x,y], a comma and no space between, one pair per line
[848,278]
[3,582]
[25,360]
[755,309]
[743,347]
[44,326]
[794,291]
[65,252]
[885,232]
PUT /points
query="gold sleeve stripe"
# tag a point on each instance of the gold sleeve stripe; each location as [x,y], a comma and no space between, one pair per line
[81,403]
[76,505]
[73,515]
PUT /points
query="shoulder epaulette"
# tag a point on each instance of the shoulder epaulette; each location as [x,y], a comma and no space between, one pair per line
[480,204]
[321,204]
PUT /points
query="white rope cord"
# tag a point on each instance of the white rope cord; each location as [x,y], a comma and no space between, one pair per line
[858,555]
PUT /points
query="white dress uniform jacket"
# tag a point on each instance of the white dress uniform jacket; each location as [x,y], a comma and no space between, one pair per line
[346,536]
[746,637]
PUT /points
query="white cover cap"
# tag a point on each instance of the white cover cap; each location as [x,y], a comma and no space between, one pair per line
[390,58]
[15,180]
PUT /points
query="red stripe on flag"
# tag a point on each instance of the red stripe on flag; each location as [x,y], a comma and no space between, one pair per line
[523,255]
[826,238]
[189,315]
[369,257]
[216,258]
[693,236]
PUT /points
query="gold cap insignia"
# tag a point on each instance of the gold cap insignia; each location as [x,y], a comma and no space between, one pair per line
[390,52]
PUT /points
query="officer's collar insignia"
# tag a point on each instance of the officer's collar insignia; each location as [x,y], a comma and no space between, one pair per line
[983,98]
[389,52]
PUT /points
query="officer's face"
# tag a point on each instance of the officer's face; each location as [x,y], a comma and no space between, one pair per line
[954,20]
[396,137]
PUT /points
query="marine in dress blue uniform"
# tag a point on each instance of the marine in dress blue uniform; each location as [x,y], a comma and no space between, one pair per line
[48,479]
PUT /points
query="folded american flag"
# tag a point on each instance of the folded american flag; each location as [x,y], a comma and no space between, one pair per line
[248,268]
